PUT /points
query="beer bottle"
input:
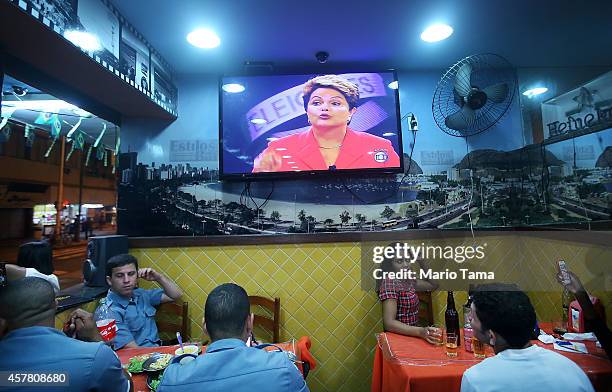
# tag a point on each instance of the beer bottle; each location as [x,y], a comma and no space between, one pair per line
[451,317]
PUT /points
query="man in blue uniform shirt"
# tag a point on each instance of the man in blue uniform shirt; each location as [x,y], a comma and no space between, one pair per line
[134,308]
[229,365]
[30,344]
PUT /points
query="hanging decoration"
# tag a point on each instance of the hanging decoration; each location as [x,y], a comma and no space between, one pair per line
[96,143]
[29,135]
[5,134]
[78,142]
[117,145]
[5,129]
[56,128]
[100,152]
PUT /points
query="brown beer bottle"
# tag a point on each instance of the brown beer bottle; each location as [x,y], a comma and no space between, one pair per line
[451,317]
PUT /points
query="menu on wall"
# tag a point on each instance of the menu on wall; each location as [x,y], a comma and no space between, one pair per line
[134,58]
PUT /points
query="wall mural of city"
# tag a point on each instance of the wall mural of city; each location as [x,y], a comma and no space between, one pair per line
[169,182]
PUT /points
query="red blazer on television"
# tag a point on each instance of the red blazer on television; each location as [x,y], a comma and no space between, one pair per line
[359,150]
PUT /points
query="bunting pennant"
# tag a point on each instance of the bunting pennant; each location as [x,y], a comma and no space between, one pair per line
[96,143]
[100,153]
[78,142]
[7,112]
[29,135]
[5,134]
[45,118]
[56,128]
[74,128]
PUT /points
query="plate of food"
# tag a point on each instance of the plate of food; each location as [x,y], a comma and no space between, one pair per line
[157,362]
[135,365]
[154,379]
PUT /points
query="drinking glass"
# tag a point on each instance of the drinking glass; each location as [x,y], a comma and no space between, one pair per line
[479,348]
[437,335]
[451,344]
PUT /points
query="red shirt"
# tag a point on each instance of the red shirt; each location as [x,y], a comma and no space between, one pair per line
[300,152]
[405,295]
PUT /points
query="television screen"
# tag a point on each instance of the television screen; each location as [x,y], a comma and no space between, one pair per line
[282,125]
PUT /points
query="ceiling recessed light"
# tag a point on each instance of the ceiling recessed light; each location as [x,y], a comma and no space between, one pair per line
[83,40]
[233,88]
[203,38]
[436,32]
[393,85]
[532,92]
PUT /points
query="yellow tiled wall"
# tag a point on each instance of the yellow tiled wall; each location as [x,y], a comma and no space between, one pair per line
[319,287]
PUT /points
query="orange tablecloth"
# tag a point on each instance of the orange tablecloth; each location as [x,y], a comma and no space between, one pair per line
[408,364]
[140,380]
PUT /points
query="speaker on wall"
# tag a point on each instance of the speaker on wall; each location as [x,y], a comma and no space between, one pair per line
[99,250]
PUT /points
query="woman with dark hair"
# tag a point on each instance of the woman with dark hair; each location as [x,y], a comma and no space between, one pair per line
[400,302]
[38,255]
[330,101]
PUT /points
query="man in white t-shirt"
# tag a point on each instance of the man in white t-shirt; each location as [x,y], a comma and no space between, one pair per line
[503,317]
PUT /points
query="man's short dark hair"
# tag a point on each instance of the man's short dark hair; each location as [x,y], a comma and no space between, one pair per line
[120,261]
[27,301]
[226,310]
[505,310]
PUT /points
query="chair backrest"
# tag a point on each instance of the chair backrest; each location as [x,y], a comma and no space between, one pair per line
[425,308]
[172,317]
[271,324]
[36,254]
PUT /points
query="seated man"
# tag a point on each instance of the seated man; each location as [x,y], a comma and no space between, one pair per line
[134,308]
[29,343]
[229,365]
[503,317]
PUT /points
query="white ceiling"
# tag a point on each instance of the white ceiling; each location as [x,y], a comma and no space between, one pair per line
[529,33]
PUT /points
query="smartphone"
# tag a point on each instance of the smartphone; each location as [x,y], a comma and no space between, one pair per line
[564,274]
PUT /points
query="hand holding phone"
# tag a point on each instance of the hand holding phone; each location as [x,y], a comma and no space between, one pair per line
[565,278]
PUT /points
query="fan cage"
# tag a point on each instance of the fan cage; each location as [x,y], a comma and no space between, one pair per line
[487,69]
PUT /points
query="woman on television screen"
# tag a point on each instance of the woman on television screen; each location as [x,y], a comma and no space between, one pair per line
[330,101]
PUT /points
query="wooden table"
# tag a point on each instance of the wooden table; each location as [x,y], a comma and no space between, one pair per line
[409,364]
[300,348]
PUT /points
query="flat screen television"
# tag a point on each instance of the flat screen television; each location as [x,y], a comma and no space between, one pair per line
[266,132]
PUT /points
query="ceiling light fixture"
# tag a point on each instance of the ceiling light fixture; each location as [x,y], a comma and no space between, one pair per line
[233,88]
[437,32]
[83,40]
[203,38]
[532,92]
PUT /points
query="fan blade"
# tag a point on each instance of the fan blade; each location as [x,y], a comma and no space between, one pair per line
[497,92]
[460,120]
[462,80]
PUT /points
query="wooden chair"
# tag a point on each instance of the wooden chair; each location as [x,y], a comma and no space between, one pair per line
[172,317]
[271,324]
[425,308]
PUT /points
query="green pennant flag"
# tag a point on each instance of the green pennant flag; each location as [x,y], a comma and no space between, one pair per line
[45,118]
[29,135]
[56,126]
[5,134]
[100,153]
